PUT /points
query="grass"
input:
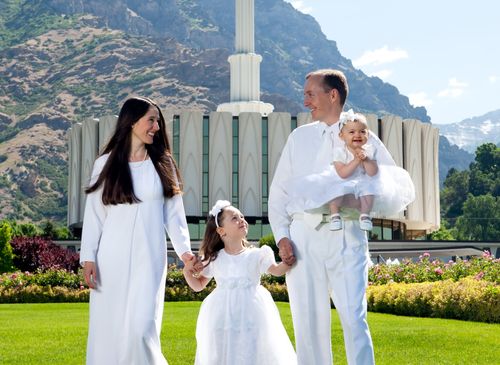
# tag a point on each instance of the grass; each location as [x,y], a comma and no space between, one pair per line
[56,334]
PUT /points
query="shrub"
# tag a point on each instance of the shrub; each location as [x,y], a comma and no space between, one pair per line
[269,241]
[35,253]
[6,256]
[485,267]
[43,294]
[466,299]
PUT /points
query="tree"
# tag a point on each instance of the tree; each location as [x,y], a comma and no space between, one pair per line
[488,158]
[481,219]
[443,233]
[454,193]
[6,256]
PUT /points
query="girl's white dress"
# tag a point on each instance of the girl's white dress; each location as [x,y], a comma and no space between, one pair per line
[391,187]
[128,244]
[239,323]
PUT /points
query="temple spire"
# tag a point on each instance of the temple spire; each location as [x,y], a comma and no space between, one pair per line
[245,66]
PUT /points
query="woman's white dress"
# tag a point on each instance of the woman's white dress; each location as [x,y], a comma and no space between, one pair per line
[391,187]
[239,323]
[128,244]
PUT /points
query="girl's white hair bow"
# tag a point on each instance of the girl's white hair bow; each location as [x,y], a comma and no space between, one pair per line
[217,208]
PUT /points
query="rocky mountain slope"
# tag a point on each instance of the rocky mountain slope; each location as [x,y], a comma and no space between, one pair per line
[62,61]
[472,132]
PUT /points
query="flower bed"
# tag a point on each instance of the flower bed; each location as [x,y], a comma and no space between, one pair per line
[465,289]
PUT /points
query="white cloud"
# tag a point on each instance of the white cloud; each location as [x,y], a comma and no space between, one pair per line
[382,74]
[493,79]
[454,90]
[420,99]
[380,56]
[301,6]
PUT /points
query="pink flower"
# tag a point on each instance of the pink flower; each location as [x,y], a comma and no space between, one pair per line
[426,254]
[479,276]
[13,276]
[438,271]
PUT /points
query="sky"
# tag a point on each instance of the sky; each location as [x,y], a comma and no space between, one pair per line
[442,54]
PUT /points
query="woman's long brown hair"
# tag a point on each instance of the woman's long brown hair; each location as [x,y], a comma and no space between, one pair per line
[115,176]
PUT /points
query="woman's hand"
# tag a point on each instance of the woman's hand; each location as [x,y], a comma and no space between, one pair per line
[187,256]
[90,274]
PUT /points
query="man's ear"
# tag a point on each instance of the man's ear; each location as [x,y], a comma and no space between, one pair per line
[334,95]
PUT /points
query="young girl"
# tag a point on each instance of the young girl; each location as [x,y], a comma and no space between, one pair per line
[357,179]
[238,322]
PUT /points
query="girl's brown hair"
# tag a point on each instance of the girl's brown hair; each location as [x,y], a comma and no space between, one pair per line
[212,241]
[115,176]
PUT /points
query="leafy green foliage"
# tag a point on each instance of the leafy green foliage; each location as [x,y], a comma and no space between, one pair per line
[6,255]
[480,219]
[469,198]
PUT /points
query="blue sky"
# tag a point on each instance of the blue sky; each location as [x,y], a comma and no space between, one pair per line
[442,54]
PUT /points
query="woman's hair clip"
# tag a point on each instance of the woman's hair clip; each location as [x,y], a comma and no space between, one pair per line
[217,208]
[346,117]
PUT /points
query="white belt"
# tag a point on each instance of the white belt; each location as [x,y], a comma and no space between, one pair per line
[312,219]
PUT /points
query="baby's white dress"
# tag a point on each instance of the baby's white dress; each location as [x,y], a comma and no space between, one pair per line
[391,187]
[239,323]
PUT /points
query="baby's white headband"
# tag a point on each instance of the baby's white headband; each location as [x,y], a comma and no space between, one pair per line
[346,117]
[217,208]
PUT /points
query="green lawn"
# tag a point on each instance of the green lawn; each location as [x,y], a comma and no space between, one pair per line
[56,334]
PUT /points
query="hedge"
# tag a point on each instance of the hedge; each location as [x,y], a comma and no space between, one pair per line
[466,299]
[471,298]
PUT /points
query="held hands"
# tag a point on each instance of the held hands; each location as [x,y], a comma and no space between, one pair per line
[360,154]
[192,264]
[286,251]
[90,274]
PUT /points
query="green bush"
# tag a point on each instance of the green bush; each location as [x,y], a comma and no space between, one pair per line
[466,299]
[6,255]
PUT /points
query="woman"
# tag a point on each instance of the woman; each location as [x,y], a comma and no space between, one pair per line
[133,196]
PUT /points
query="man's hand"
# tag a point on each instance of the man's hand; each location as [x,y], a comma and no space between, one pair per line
[286,251]
[90,274]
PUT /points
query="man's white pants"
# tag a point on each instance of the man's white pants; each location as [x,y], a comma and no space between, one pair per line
[329,263]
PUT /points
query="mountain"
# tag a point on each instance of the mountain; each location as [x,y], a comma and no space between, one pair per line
[472,132]
[451,156]
[63,61]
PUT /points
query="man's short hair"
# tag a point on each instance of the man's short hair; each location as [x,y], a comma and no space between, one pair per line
[333,79]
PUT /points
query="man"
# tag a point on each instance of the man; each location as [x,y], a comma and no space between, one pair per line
[328,263]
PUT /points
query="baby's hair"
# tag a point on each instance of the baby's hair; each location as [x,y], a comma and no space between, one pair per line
[358,118]
[212,241]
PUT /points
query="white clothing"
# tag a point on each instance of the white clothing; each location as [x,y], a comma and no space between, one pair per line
[392,187]
[239,323]
[128,244]
[329,263]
